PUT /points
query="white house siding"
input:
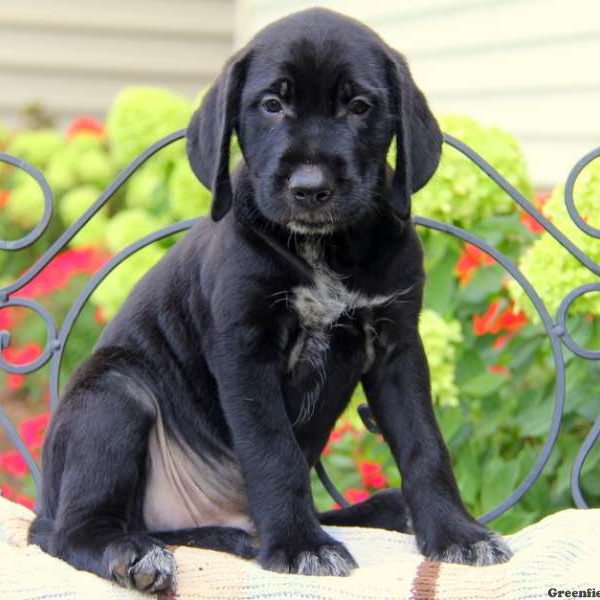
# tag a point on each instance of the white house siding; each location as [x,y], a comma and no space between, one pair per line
[73,56]
[530,66]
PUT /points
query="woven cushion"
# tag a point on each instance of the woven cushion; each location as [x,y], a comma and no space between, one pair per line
[561,551]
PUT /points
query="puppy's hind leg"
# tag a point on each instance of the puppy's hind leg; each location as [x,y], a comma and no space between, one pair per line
[384,510]
[100,435]
[40,532]
[224,539]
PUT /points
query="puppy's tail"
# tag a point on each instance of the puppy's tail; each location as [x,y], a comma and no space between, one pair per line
[224,539]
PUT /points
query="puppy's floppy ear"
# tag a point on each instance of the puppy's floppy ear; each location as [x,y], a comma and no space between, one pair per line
[418,136]
[209,133]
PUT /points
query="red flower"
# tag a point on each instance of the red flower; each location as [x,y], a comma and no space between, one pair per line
[5,320]
[20,356]
[85,125]
[12,463]
[495,320]
[540,200]
[377,482]
[368,468]
[499,369]
[337,434]
[33,429]
[483,323]
[58,273]
[15,381]
[11,316]
[470,259]
[6,491]
[355,495]
[502,340]
[25,501]
[23,355]
[371,475]
[510,321]
[531,223]
[99,316]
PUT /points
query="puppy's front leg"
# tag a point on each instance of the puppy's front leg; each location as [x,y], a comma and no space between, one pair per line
[275,471]
[398,391]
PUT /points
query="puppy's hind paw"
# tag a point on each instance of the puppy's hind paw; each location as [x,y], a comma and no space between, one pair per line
[491,550]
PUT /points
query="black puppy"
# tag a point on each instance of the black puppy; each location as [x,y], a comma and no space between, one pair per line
[212,393]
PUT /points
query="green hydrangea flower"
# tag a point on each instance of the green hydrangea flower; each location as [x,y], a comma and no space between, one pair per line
[60,175]
[95,166]
[147,189]
[25,207]
[188,198]
[440,339]
[552,271]
[36,147]
[129,226]
[461,194]
[83,160]
[115,289]
[73,204]
[140,116]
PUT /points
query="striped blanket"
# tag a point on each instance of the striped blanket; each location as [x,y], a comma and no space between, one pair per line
[560,553]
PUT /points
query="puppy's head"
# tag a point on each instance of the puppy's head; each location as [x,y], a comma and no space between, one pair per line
[315,100]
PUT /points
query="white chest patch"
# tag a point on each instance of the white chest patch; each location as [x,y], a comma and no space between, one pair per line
[323,303]
[319,306]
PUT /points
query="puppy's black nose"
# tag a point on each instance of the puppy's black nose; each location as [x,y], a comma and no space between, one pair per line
[310,186]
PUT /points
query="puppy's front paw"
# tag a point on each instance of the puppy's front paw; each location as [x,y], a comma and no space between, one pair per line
[326,557]
[489,550]
[141,564]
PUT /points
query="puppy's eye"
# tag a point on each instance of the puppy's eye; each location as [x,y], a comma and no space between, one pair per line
[272,105]
[358,106]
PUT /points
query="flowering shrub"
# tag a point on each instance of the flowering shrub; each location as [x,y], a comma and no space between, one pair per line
[551,269]
[141,116]
[440,339]
[491,366]
[459,193]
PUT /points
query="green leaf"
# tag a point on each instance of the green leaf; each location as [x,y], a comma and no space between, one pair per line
[451,420]
[469,365]
[485,282]
[494,229]
[525,353]
[534,420]
[436,248]
[441,284]
[483,385]
[467,471]
[499,480]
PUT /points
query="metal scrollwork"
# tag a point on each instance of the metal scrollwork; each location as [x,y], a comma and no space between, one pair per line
[37,232]
[556,330]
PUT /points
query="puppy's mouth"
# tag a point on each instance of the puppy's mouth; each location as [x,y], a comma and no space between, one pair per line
[316,221]
[311,227]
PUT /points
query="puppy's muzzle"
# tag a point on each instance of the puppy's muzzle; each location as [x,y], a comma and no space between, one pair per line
[310,187]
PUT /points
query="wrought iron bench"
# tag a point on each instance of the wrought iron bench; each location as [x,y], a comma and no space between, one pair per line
[555,328]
